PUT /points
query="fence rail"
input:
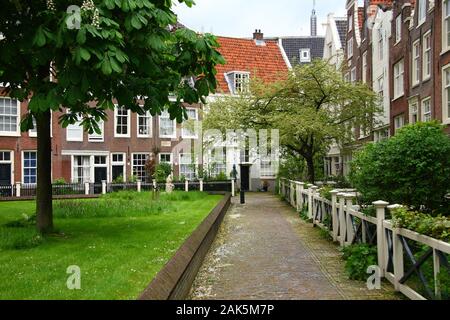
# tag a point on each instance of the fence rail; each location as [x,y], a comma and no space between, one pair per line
[26,191]
[402,254]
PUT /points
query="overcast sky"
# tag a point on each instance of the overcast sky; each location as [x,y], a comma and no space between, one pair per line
[239,18]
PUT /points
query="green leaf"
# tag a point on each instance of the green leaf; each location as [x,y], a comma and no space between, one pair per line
[81,36]
[39,37]
[85,55]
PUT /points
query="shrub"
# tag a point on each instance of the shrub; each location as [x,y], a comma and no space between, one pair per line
[411,168]
[119,179]
[59,181]
[435,227]
[221,177]
[358,258]
[325,192]
[162,171]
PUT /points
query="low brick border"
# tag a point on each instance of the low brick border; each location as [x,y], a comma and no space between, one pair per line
[174,281]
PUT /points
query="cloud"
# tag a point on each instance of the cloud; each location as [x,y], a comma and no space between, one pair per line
[239,18]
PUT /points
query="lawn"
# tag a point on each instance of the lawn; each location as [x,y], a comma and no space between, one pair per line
[120,242]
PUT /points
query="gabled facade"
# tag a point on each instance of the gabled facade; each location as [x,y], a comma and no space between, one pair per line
[248,59]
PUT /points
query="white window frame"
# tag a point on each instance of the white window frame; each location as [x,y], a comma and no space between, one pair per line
[17,132]
[350,23]
[10,161]
[185,133]
[306,58]
[241,79]
[445,26]
[399,80]
[446,95]
[427,114]
[98,138]
[364,67]
[353,75]
[415,63]
[75,127]
[174,123]
[414,110]
[122,163]
[133,166]
[400,125]
[380,45]
[121,135]
[398,28]
[421,12]
[23,166]
[350,48]
[180,163]
[149,124]
[427,65]
[82,166]
[166,153]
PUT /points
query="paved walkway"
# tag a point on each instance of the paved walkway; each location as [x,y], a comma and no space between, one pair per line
[265,251]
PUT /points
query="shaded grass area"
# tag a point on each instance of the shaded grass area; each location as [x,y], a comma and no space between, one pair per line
[119,241]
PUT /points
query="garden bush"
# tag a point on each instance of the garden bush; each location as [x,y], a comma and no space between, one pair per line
[435,227]
[20,234]
[412,168]
[162,171]
[358,258]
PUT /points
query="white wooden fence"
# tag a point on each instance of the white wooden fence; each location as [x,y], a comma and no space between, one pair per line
[346,225]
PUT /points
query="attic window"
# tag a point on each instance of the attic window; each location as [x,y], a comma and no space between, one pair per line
[238,81]
[305,55]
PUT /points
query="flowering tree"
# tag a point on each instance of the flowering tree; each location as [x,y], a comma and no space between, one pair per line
[69,54]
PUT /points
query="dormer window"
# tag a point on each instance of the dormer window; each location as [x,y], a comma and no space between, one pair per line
[238,81]
[305,55]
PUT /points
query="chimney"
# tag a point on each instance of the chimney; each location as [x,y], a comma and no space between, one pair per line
[258,35]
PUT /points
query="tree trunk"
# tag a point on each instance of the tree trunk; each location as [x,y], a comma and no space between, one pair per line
[44,205]
[311,169]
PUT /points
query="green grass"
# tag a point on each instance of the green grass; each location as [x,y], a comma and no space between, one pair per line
[120,242]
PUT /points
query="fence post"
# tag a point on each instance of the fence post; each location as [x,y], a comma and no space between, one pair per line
[186,185]
[311,194]
[201,184]
[103,186]
[279,186]
[233,190]
[334,215]
[381,245]
[138,185]
[436,271]
[155,186]
[342,224]
[299,198]
[350,231]
[292,193]
[86,188]
[18,186]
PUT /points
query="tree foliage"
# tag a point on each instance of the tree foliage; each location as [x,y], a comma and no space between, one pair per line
[412,168]
[124,52]
[312,107]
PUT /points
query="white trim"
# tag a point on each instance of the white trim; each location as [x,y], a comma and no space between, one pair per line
[99,140]
[283,53]
[415,64]
[445,99]
[150,124]
[118,135]
[75,126]
[422,109]
[23,166]
[174,135]
[10,161]
[84,153]
[421,21]
[401,76]
[17,132]
[123,163]
[148,154]
[195,135]
[424,51]
[444,41]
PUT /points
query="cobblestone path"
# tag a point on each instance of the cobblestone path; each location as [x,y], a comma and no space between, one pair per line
[265,251]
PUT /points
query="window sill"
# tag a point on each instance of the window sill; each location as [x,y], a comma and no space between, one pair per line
[167,137]
[122,136]
[414,85]
[445,50]
[425,79]
[73,140]
[9,134]
[398,97]
[420,23]
[398,41]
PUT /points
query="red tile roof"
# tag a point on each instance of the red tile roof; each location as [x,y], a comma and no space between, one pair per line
[266,62]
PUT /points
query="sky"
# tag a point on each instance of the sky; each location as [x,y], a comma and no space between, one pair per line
[240,18]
